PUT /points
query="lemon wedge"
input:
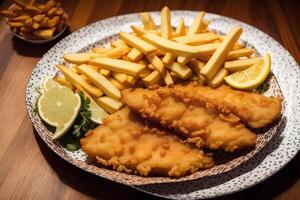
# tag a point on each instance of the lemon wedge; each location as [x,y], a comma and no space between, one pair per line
[251,77]
[98,114]
[49,83]
[59,107]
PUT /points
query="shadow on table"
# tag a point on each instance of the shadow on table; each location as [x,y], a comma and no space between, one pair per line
[35,50]
[96,187]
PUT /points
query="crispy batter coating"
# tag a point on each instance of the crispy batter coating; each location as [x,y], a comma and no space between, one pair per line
[254,109]
[197,121]
[128,144]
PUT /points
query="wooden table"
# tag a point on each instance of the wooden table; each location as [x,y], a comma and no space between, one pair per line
[30,170]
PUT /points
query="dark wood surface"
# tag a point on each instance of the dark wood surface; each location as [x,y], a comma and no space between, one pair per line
[30,170]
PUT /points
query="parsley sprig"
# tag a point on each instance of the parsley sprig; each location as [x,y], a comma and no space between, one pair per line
[262,88]
[82,124]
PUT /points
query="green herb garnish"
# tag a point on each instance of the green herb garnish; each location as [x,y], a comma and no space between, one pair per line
[262,88]
[82,124]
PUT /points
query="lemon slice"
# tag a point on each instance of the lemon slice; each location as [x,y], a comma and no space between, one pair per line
[252,77]
[98,114]
[59,107]
[49,83]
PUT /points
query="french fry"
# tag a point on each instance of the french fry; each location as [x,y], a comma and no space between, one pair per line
[100,81]
[26,29]
[28,22]
[117,52]
[135,55]
[145,72]
[153,78]
[140,31]
[76,79]
[105,72]
[197,39]
[167,78]
[165,24]
[116,43]
[74,69]
[8,13]
[207,49]
[137,43]
[63,82]
[94,55]
[170,46]
[101,50]
[125,58]
[78,58]
[32,10]
[49,4]
[144,62]
[147,21]
[108,104]
[116,83]
[17,10]
[196,25]
[183,60]
[15,24]
[39,17]
[235,54]
[218,57]
[150,66]
[168,58]
[130,80]
[120,77]
[196,67]
[158,53]
[52,11]
[238,65]
[118,65]
[20,3]
[54,21]
[36,26]
[174,76]
[21,18]
[45,34]
[156,62]
[44,22]
[182,71]
[218,78]
[180,30]
[59,11]
[232,55]
[85,78]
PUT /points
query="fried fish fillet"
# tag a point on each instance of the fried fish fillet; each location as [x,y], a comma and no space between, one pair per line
[127,143]
[200,124]
[254,109]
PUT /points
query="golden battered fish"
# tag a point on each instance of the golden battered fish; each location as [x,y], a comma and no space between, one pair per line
[254,109]
[127,143]
[199,123]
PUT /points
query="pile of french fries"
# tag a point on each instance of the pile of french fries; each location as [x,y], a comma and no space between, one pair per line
[35,21]
[156,56]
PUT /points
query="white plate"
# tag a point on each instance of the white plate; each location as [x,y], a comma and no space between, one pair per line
[278,152]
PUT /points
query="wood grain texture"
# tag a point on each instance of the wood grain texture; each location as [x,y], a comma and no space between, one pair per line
[29,170]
